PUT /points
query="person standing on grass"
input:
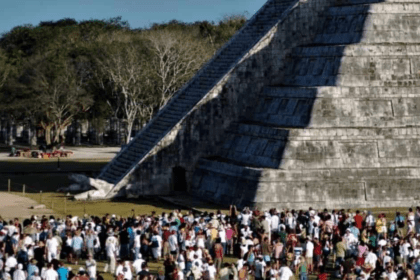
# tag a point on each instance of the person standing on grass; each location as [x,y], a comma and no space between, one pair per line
[302,269]
[156,245]
[309,254]
[77,246]
[51,248]
[111,251]
[173,244]
[62,271]
[91,267]
[51,274]
[218,254]
[285,272]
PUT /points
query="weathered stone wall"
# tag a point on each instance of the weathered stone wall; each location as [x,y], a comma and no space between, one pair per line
[202,132]
[346,113]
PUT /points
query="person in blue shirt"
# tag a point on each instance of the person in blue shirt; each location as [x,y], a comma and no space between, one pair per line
[399,223]
[62,271]
[77,245]
[354,230]
[32,268]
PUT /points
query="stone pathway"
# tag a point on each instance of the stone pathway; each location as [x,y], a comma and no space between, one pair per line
[14,206]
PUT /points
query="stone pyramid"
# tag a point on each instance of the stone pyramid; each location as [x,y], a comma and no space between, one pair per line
[321,110]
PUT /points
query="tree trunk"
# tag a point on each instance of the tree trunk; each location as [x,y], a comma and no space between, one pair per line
[10,136]
[129,129]
[48,135]
[57,135]
[33,140]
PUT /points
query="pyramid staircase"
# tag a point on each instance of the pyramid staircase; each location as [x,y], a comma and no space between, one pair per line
[117,171]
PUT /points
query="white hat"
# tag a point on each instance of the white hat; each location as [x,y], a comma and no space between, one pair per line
[20,266]
[140,255]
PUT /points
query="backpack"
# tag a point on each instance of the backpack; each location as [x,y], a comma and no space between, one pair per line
[400,222]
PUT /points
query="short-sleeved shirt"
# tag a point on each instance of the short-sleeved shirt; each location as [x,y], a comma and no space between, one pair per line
[62,273]
[77,243]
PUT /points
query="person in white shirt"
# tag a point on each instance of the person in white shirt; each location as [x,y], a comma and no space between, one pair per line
[35,276]
[371,259]
[222,236]
[405,250]
[391,274]
[274,223]
[51,274]
[350,239]
[128,275]
[285,273]
[11,262]
[370,220]
[173,243]
[137,244]
[198,263]
[387,259]
[120,269]
[19,274]
[138,263]
[156,245]
[246,217]
[51,246]
[91,267]
[246,231]
[111,244]
[309,254]
[212,270]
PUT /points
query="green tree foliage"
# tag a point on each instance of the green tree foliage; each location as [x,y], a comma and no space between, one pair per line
[60,70]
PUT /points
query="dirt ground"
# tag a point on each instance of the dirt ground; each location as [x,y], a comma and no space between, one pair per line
[14,206]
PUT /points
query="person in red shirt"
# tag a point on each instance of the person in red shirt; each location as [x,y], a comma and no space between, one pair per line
[165,236]
[218,254]
[358,219]
[317,254]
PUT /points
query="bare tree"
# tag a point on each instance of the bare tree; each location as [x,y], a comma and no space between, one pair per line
[176,57]
[124,69]
[61,97]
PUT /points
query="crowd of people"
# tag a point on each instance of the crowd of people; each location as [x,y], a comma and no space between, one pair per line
[273,244]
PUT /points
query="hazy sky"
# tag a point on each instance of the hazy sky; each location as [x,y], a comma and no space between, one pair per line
[139,13]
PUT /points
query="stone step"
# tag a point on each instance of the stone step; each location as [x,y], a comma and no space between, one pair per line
[365,2]
[355,92]
[370,25]
[359,50]
[338,107]
[122,165]
[340,69]
[376,8]
[348,80]
[259,130]
[224,182]
[249,148]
